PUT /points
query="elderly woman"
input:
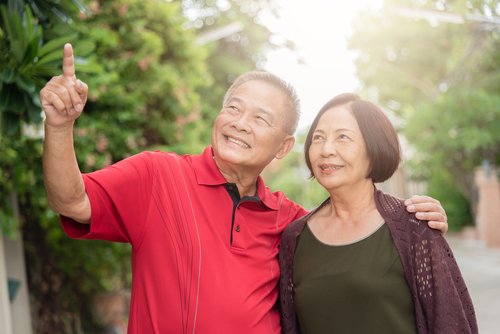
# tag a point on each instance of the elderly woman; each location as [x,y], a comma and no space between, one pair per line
[360,263]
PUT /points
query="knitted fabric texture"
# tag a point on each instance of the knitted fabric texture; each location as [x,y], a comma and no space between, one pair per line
[442,301]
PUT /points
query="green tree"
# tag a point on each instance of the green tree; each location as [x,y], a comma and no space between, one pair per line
[291,176]
[442,79]
[234,54]
[152,70]
[151,86]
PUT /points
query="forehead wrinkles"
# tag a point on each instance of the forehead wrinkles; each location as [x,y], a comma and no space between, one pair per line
[253,98]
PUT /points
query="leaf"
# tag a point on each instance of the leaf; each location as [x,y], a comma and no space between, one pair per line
[26,83]
[10,123]
[9,75]
[16,6]
[35,98]
[56,44]
[29,22]
[61,13]
[87,66]
[11,99]
[32,49]
[56,55]
[34,112]
[81,7]
[83,48]
[41,13]
[46,70]
[16,33]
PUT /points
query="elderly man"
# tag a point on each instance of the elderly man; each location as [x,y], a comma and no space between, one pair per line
[204,229]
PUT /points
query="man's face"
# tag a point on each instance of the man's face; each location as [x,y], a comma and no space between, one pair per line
[248,132]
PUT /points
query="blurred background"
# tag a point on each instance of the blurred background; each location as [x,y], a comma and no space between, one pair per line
[157,72]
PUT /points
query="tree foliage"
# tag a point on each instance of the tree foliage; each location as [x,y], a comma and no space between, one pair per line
[442,79]
[151,86]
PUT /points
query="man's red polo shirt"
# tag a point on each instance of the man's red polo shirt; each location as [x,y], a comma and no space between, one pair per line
[177,213]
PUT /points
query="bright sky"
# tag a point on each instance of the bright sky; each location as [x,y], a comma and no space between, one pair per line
[319,28]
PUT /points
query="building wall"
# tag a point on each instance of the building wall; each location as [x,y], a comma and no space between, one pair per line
[487,215]
[5,315]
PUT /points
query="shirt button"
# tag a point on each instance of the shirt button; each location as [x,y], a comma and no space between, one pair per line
[237,228]
[230,187]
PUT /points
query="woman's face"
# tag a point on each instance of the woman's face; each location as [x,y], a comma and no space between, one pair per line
[338,151]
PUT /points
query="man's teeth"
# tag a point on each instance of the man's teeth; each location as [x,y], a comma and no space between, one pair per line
[332,167]
[239,142]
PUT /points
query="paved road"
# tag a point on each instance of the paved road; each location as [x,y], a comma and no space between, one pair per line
[481,270]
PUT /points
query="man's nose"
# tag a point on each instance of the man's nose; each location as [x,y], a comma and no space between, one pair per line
[242,123]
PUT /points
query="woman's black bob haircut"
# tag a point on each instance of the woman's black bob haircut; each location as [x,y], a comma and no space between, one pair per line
[381,139]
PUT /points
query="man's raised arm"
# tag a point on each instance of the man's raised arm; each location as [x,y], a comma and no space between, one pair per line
[63,99]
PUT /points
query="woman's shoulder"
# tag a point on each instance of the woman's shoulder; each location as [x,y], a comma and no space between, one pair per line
[394,212]
[295,228]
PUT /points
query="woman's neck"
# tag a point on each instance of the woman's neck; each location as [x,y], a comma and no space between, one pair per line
[352,202]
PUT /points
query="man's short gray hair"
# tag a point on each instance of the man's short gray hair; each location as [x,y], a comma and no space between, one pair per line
[292,112]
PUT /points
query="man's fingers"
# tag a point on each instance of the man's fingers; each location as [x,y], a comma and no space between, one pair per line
[69,62]
[63,95]
[425,207]
[434,216]
[50,98]
[75,99]
[438,226]
[421,199]
[82,90]
[67,93]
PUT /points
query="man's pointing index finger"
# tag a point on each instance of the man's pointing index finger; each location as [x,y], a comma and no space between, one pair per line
[68,62]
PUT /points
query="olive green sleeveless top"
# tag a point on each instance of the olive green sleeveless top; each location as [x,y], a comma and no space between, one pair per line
[354,288]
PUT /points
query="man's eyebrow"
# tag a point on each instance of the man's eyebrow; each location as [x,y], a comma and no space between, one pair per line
[235,99]
[267,112]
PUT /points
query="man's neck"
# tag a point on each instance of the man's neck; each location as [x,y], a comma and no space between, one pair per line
[245,180]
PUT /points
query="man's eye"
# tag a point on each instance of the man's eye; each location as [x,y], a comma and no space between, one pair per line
[234,108]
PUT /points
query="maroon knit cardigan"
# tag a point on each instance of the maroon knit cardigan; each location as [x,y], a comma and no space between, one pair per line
[442,301]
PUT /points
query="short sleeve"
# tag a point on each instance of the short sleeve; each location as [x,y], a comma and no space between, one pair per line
[119,197]
[297,212]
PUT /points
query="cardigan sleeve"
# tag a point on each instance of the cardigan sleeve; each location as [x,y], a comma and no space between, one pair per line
[441,293]
[442,301]
[288,317]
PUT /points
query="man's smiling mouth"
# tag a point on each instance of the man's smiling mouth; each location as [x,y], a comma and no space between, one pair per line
[237,142]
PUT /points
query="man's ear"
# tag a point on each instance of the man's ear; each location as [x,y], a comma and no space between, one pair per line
[286,146]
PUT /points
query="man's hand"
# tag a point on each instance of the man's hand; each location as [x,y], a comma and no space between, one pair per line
[428,208]
[64,97]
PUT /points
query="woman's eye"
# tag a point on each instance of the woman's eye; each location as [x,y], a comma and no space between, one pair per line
[343,137]
[317,137]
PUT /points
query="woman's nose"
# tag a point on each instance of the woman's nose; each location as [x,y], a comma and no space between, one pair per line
[329,148]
